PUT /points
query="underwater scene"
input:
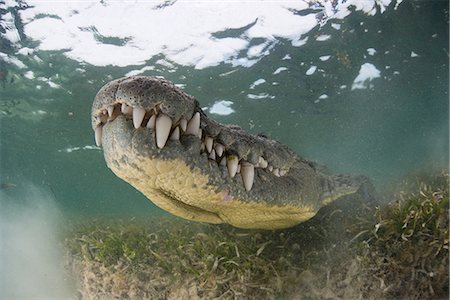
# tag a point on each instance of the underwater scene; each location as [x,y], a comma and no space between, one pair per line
[176,149]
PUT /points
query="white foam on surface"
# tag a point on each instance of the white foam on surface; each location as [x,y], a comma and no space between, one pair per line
[257,82]
[371,51]
[222,108]
[279,70]
[25,51]
[29,75]
[260,50]
[49,82]
[336,26]
[140,71]
[53,85]
[323,37]
[367,73]
[184,32]
[37,59]
[299,42]
[260,96]
[12,60]
[39,112]
[11,33]
[324,57]
[311,70]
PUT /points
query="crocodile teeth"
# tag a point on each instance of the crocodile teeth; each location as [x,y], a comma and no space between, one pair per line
[98,135]
[126,110]
[262,162]
[175,136]
[193,127]
[163,125]
[212,155]
[223,162]
[248,174]
[138,116]
[232,164]
[151,123]
[110,110]
[276,172]
[123,108]
[208,143]
[219,149]
[183,124]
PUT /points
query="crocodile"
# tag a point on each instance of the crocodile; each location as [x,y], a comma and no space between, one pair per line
[157,138]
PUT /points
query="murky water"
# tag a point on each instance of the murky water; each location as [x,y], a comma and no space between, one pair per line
[358,86]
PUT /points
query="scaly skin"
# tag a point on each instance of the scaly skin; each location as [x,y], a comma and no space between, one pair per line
[182,178]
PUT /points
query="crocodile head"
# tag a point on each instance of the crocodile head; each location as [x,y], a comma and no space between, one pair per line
[156,137]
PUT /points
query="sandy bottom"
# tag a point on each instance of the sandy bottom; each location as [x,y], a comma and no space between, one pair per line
[350,250]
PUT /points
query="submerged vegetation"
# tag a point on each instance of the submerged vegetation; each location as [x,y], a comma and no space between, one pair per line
[348,251]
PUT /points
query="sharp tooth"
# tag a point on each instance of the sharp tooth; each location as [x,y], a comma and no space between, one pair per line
[212,155]
[138,116]
[223,162]
[270,168]
[110,110]
[163,125]
[219,149]
[175,136]
[238,169]
[202,147]
[126,110]
[151,123]
[193,127]
[283,172]
[98,135]
[262,162]
[232,164]
[248,174]
[208,143]
[199,135]
[183,124]
[276,172]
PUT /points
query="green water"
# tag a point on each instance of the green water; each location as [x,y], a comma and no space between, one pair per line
[395,125]
[358,86]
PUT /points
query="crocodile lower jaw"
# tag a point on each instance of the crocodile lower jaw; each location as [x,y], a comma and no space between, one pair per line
[183,190]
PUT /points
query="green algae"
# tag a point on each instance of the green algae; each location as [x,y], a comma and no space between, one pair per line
[349,250]
[408,250]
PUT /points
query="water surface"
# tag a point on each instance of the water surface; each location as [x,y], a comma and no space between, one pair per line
[358,86]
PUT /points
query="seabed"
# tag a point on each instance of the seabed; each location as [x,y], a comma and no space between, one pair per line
[350,250]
